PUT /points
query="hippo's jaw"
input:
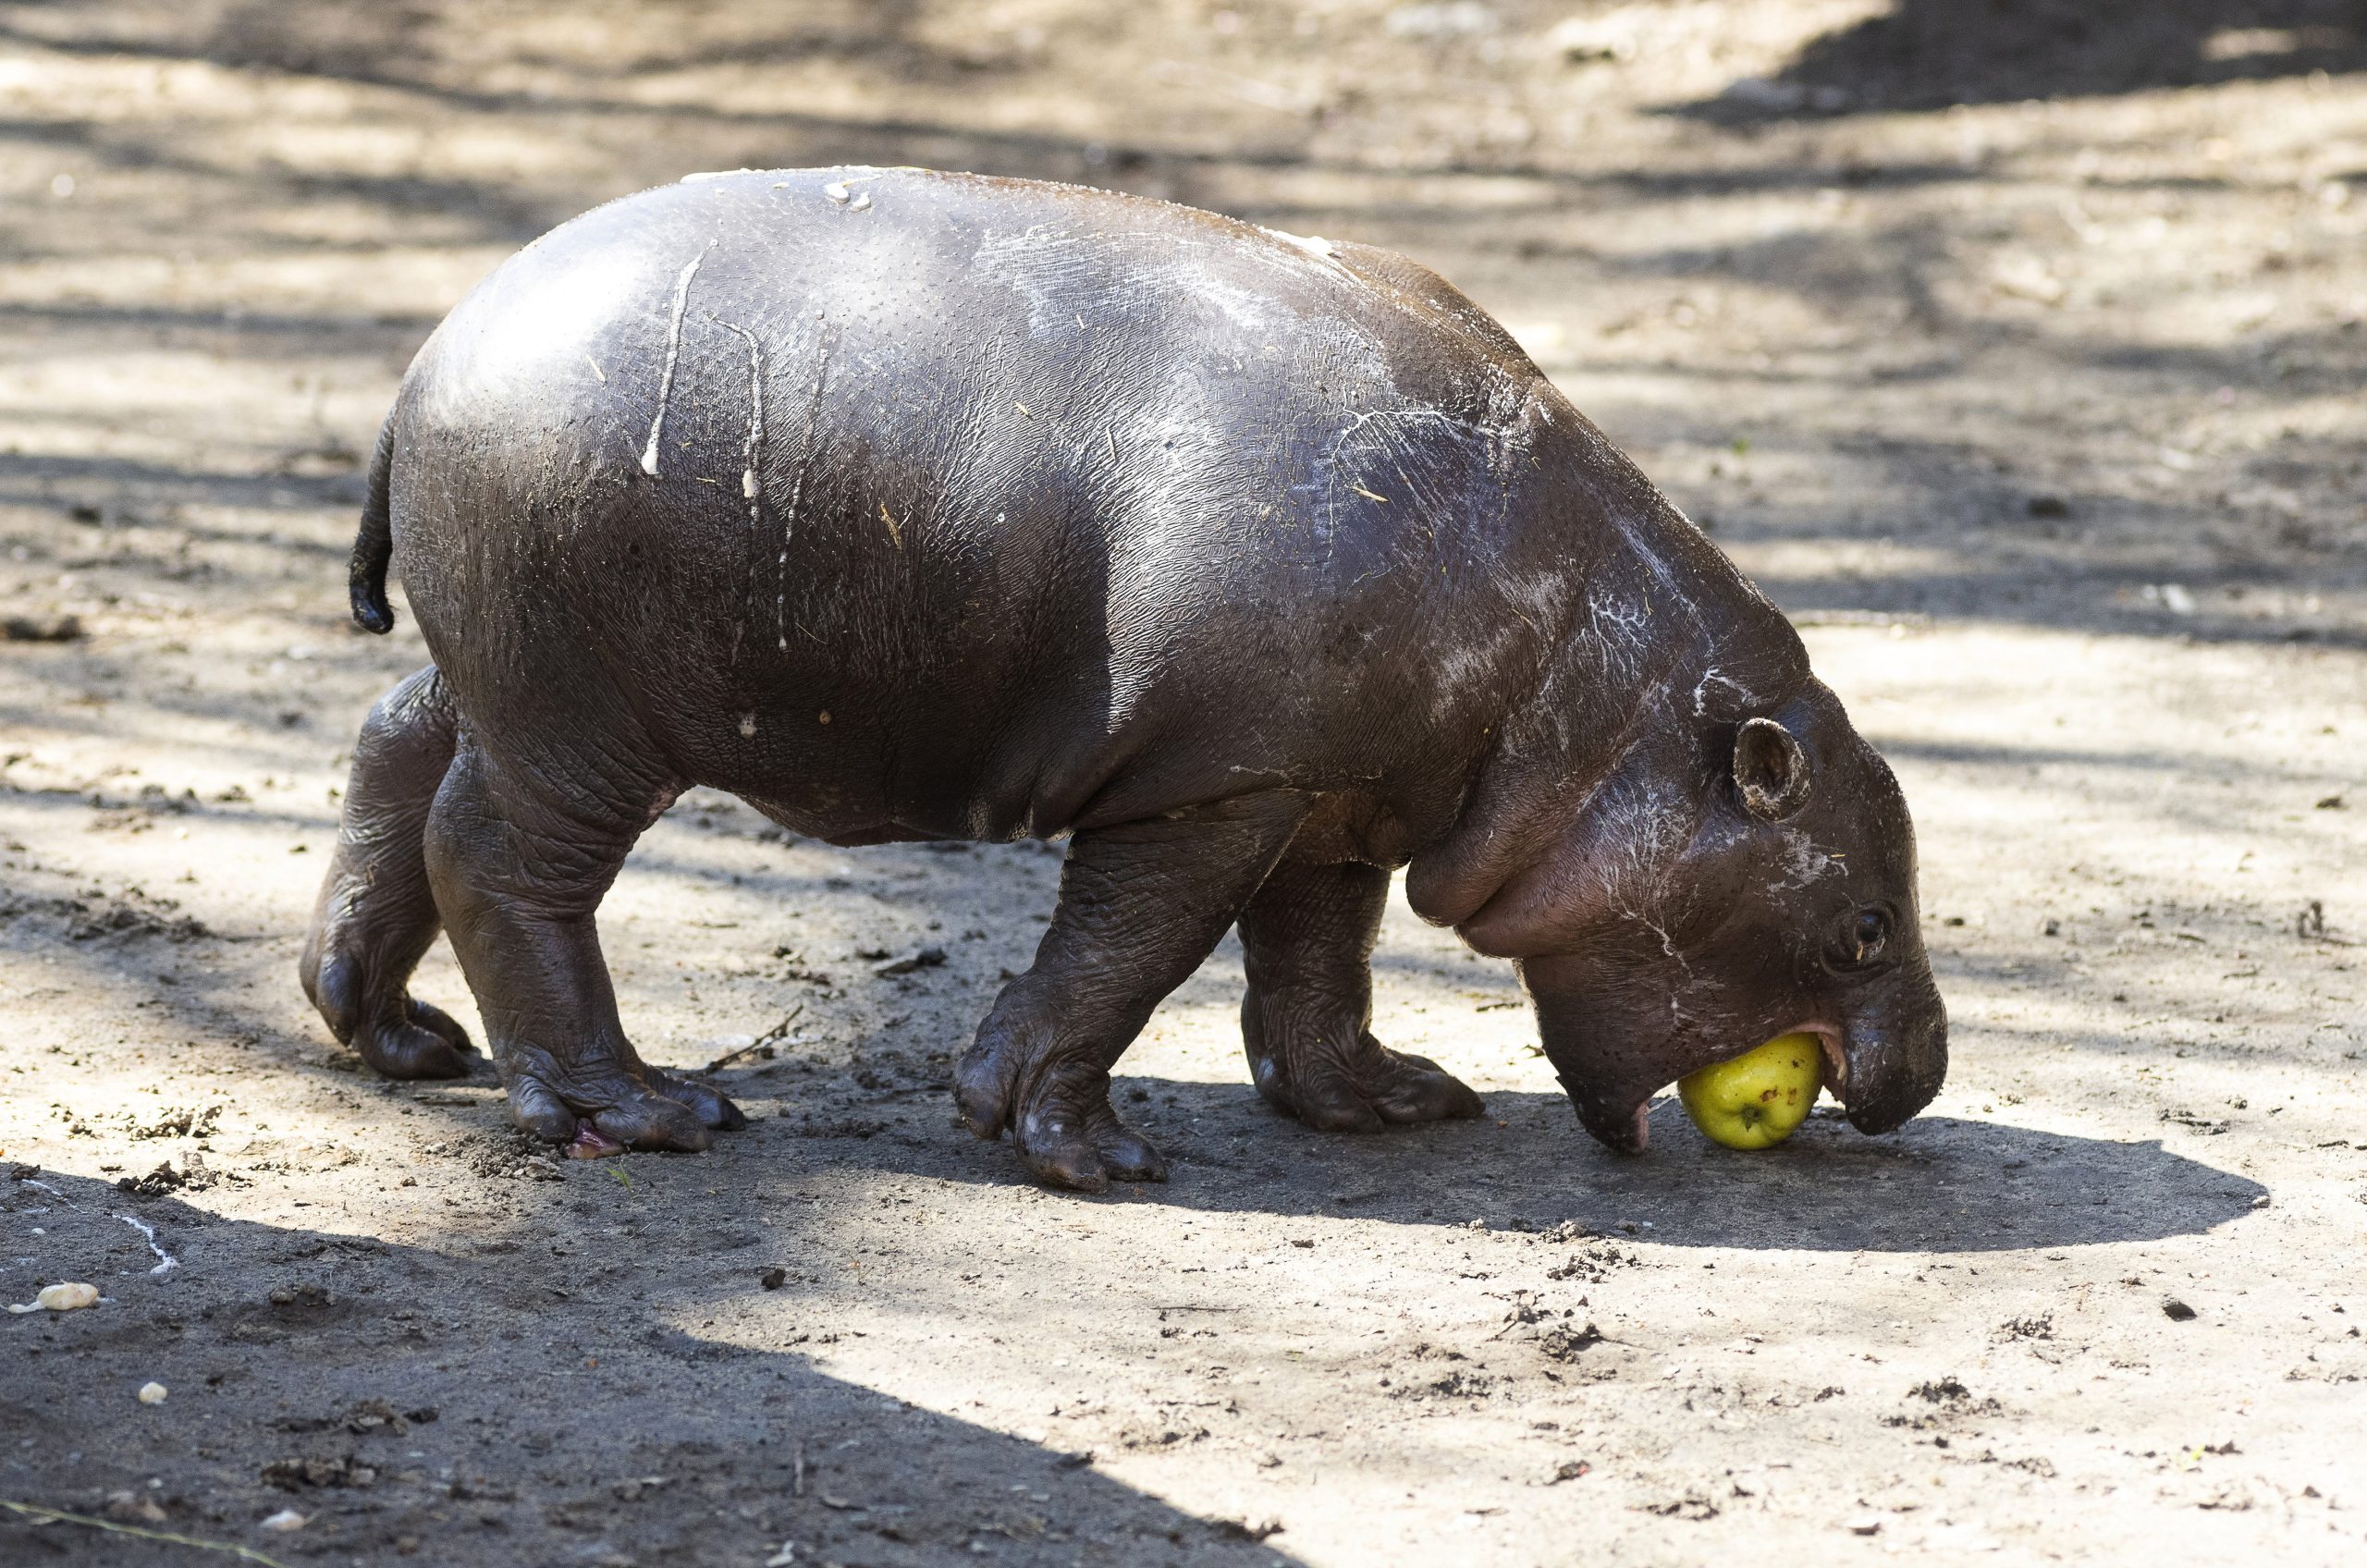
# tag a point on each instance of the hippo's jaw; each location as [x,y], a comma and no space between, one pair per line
[1882,1067]
[1621,1132]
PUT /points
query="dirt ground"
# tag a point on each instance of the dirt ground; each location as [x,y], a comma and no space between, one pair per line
[2019,360]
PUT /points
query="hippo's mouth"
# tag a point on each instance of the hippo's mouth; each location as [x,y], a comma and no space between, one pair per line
[1631,1131]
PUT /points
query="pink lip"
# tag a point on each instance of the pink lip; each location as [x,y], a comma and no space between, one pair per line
[1836,1065]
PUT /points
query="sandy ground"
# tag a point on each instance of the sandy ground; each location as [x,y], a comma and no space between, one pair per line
[2044,420]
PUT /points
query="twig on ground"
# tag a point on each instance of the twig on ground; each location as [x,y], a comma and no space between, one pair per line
[759,1043]
[37,1512]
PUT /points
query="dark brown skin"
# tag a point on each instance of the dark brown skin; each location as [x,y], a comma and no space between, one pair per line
[916,506]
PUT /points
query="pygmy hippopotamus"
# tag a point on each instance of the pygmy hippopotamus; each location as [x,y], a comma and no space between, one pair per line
[917,505]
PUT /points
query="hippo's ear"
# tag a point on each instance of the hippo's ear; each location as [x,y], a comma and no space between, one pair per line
[1770,770]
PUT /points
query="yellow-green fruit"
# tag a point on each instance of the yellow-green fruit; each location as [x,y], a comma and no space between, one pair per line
[1755,1100]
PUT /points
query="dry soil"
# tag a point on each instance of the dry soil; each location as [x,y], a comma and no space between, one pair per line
[2019,360]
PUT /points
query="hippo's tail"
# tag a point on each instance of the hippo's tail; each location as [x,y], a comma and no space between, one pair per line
[374,546]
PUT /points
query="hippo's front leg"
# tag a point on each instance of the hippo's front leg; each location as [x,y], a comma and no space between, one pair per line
[1141,905]
[1306,1022]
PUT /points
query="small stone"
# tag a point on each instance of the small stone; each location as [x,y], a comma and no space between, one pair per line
[70,1296]
[40,628]
[1865,1524]
[2175,1310]
[773,1279]
[285,1520]
[153,1393]
[905,963]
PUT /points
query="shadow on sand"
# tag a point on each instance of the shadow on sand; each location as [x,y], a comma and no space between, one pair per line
[1932,53]
[587,1428]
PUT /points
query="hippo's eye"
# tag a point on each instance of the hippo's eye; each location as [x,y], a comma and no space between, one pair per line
[1868,934]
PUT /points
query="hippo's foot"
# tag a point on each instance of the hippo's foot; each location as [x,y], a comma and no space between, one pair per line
[1062,1125]
[1070,1138]
[1339,1081]
[604,1105]
[376,915]
[398,1036]
[1307,943]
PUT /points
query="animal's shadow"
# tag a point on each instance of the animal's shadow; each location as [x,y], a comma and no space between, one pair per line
[1932,53]
[460,1406]
[1939,1184]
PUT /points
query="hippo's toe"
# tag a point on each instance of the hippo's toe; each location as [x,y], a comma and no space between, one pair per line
[600,1108]
[1084,1149]
[1361,1089]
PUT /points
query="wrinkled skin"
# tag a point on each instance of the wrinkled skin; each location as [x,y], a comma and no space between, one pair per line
[912,505]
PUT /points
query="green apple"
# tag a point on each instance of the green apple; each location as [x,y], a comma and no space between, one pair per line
[1755,1100]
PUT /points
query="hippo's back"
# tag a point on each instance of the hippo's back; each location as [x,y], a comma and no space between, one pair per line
[1014,480]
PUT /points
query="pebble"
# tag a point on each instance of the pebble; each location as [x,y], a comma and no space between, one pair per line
[286,1519]
[67,1297]
[153,1393]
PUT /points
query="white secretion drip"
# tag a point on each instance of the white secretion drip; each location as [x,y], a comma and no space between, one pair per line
[673,352]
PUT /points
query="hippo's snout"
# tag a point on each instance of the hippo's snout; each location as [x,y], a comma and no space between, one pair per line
[1889,1057]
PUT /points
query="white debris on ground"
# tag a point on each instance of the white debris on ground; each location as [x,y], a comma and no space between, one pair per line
[68,1297]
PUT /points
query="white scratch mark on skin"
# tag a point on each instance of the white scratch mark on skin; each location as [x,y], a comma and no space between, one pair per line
[1619,631]
[167,1262]
[673,350]
[752,450]
[1804,863]
[1313,244]
[751,454]
[796,490]
[597,370]
[1716,676]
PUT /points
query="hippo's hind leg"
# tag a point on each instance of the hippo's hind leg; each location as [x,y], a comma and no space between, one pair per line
[1141,905]
[376,916]
[521,844]
[1307,1021]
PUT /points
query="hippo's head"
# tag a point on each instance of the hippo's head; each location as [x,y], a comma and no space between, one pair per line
[1725,882]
